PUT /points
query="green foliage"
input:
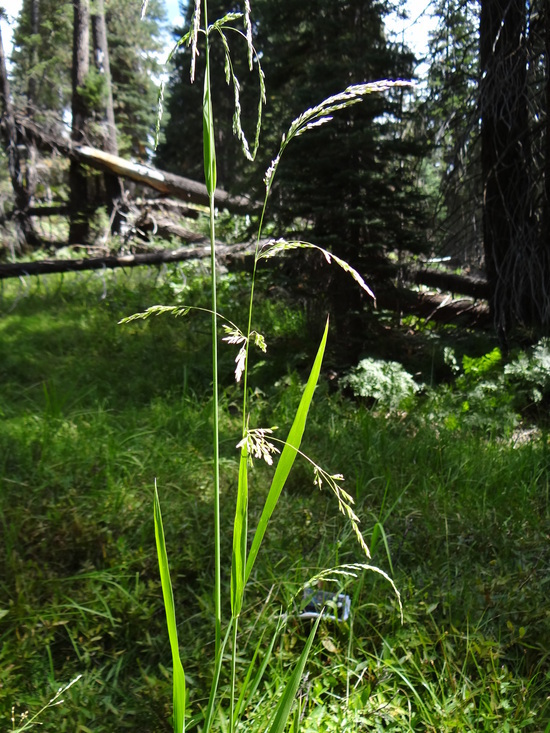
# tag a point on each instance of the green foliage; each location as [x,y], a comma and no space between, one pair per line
[94,90]
[79,576]
[254,441]
[288,456]
[307,50]
[134,48]
[466,519]
[386,383]
[46,61]
[476,367]
[492,395]
[450,114]
[178,693]
[477,399]
[282,711]
[529,372]
[29,721]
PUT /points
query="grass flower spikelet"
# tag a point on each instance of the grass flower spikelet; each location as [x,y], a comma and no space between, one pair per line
[258,446]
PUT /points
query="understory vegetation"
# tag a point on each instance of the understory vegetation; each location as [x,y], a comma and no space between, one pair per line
[451,484]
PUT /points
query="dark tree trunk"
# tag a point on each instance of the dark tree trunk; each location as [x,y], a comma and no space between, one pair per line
[79,199]
[516,263]
[113,184]
[26,236]
[546,217]
[31,103]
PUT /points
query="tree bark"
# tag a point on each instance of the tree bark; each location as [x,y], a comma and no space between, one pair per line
[225,253]
[31,103]
[516,264]
[448,282]
[26,236]
[79,198]
[546,215]
[113,184]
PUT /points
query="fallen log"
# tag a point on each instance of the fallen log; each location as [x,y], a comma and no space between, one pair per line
[449,282]
[224,253]
[439,307]
[431,306]
[167,204]
[167,183]
[161,226]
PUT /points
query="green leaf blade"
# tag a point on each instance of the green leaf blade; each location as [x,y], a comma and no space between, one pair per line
[168,597]
[288,455]
[209,146]
[240,529]
[282,711]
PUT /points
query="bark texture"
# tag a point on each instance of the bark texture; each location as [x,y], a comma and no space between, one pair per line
[516,256]
[79,195]
[113,184]
[26,236]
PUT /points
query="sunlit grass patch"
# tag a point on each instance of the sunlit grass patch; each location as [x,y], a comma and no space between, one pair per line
[465,523]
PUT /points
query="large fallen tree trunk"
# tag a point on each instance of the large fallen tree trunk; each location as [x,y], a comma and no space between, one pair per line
[167,183]
[224,253]
[167,205]
[163,226]
[448,282]
[439,307]
[431,306]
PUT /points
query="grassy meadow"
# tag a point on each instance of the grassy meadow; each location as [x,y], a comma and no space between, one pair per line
[452,489]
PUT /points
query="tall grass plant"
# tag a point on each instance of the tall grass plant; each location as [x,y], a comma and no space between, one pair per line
[256,442]
[459,518]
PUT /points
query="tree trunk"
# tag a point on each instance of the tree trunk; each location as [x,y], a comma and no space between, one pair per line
[79,200]
[31,103]
[517,266]
[26,236]
[546,216]
[113,184]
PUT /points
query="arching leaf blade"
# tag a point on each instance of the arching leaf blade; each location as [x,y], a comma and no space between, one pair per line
[288,455]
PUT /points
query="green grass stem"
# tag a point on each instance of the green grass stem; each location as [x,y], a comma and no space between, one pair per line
[209,148]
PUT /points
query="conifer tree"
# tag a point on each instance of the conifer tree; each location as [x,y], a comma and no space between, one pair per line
[46,59]
[134,48]
[348,185]
[450,113]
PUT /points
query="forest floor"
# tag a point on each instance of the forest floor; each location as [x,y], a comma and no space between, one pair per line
[454,507]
